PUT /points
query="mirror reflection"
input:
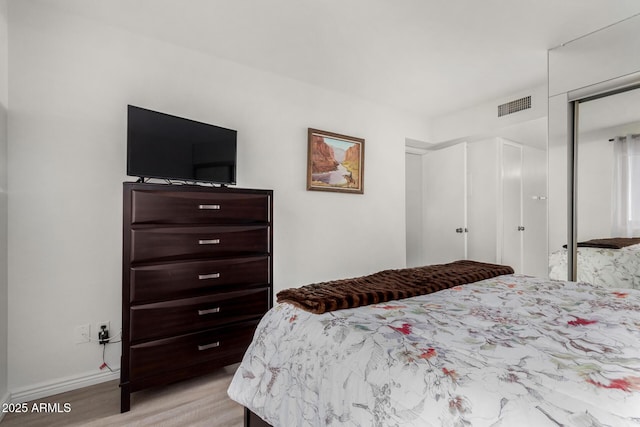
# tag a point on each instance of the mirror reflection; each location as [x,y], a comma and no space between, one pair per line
[608,193]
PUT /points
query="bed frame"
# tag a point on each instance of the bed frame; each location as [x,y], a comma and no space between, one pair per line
[252,420]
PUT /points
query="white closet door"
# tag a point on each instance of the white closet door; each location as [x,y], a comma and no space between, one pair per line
[445,208]
[534,215]
[512,226]
[483,174]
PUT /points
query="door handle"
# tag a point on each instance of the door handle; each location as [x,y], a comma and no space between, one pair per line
[520,228]
[459,230]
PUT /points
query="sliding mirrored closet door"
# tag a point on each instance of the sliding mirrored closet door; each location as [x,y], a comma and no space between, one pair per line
[607,188]
[594,110]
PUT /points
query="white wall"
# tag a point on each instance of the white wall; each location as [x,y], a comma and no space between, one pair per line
[557,169]
[70,82]
[414,212]
[4,102]
[595,58]
[598,61]
[482,121]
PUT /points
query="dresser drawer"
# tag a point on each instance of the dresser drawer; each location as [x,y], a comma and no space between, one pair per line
[189,207]
[178,279]
[174,243]
[222,346]
[163,319]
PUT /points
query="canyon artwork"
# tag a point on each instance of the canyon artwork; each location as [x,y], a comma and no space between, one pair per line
[335,162]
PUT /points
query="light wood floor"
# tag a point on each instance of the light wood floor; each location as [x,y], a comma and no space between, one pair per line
[198,402]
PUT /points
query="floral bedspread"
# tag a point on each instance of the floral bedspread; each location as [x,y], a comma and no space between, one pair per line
[507,351]
[619,268]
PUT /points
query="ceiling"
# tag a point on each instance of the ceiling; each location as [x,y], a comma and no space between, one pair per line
[428,57]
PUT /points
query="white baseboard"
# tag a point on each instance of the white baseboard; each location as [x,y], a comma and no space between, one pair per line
[50,388]
[5,400]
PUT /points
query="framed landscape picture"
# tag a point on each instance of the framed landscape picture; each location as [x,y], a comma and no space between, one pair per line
[335,162]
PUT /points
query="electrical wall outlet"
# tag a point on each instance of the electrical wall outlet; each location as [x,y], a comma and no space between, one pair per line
[100,324]
[106,326]
[82,333]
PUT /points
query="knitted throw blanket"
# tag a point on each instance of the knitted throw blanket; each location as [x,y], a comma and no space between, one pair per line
[611,243]
[388,285]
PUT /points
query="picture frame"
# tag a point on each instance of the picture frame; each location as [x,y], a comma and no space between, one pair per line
[335,162]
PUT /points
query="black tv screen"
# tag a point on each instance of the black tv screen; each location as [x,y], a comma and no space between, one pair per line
[160,145]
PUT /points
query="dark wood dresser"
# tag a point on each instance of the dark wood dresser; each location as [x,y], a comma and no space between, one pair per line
[196,279]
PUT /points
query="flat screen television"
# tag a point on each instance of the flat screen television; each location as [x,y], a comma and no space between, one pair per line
[163,146]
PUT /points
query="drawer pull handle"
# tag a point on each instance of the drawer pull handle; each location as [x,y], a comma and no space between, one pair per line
[208,346]
[208,276]
[209,207]
[209,241]
[208,311]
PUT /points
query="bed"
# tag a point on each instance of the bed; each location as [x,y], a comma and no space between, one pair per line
[605,262]
[509,350]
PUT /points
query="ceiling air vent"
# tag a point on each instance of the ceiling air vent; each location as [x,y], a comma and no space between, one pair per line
[514,106]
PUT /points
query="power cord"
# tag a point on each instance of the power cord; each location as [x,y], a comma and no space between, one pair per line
[104,349]
[104,362]
[103,340]
[100,341]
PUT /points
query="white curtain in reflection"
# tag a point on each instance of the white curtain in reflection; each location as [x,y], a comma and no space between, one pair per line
[626,187]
